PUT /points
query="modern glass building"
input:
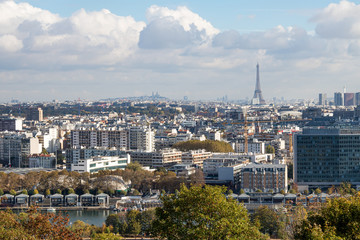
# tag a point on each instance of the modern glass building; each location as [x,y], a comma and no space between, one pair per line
[326,156]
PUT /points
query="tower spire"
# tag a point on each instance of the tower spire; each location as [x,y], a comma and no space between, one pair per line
[258,98]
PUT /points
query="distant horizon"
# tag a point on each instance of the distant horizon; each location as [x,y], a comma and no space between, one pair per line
[203,50]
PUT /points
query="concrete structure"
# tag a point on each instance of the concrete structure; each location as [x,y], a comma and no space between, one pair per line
[42,161]
[163,158]
[254,146]
[35,114]
[196,157]
[212,165]
[166,158]
[10,124]
[339,99]
[264,177]
[322,99]
[349,99]
[98,163]
[73,155]
[183,169]
[142,138]
[16,147]
[326,156]
[91,138]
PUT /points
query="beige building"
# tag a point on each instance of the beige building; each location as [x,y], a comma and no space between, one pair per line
[195,157]
[163,158]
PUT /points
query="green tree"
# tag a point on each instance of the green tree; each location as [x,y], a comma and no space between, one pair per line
[12,192]
[114,221]
[202,213]
[270,149]
[339,218]
[71,190]
[1,192]
[58,191]
[135,166]
[24,191]
[268,220]
[134,226]
[35,191]
[208,145]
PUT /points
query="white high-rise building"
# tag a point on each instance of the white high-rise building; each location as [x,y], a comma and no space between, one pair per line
[142,138]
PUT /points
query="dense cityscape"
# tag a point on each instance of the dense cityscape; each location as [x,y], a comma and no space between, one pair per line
[179,120]
[120,154]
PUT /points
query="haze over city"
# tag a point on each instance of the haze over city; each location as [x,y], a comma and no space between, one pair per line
[200,49]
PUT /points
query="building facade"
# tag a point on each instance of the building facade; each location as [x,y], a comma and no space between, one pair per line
[327,156]
[96,164]
[264,177]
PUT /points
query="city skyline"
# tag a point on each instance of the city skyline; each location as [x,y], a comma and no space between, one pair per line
[91,50]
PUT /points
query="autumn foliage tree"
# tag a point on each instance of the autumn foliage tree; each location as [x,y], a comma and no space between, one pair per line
[34,225]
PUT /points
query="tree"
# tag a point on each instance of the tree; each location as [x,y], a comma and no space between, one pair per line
[208,145]
[135,166]
[58,191]
[47,192]
[114,221]
[12,192]
[34,225]
[270,149]
[24,191]
[202,213]
[71,190]
[1,192]
[339,218]
[268,220]
[44,151]
[134,226]
[35,191]
[317,191]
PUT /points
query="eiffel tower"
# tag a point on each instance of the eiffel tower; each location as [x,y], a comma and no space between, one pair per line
[258,98]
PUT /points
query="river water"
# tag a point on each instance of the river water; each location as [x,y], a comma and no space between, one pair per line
[95,217]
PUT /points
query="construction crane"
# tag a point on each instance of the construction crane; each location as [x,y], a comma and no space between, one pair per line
[246,122]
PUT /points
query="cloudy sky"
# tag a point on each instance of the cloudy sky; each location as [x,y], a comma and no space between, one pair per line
[89,49]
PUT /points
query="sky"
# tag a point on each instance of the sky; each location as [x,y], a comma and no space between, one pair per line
[88,49]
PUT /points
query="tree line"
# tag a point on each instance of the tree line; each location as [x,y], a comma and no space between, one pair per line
[208,145]
[141,181]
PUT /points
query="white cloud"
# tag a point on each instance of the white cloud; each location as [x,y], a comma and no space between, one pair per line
[175,28]
[339,20]
[9,43]
[176,50]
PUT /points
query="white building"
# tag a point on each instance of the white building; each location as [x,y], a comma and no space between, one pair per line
[211,165]
[253,147]
[142,138]
[42,161]
[96,164]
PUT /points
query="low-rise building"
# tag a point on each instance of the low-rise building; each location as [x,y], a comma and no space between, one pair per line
[96,164]
[196,157]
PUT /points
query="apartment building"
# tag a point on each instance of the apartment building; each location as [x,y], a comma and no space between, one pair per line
[264,177]
[196,157]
